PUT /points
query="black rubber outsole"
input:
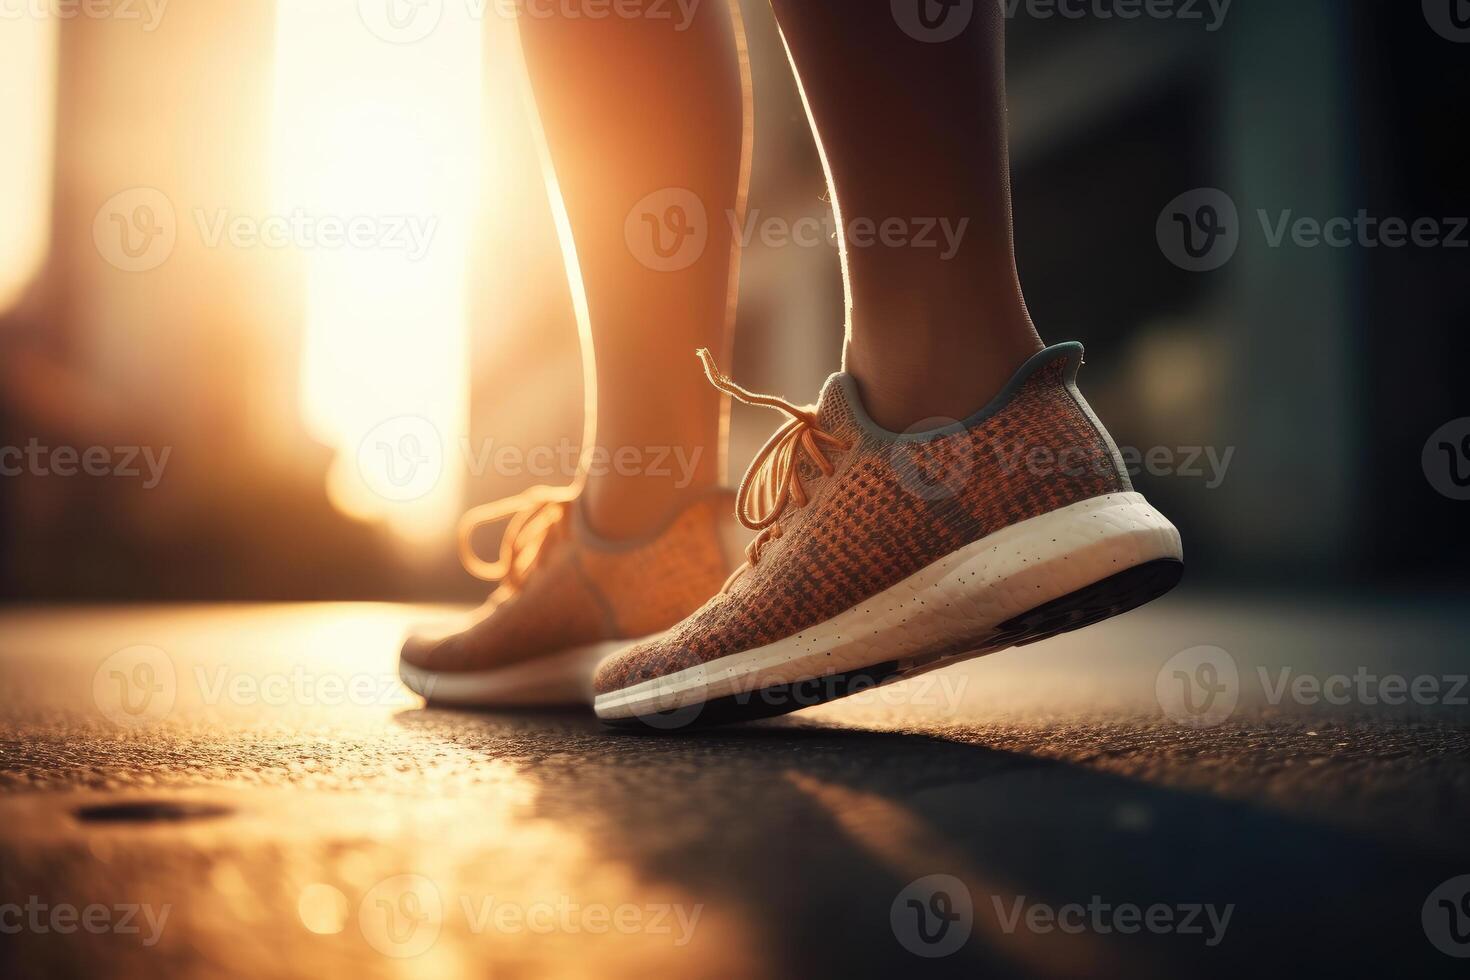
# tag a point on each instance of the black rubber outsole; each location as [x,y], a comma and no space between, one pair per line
[1102,600]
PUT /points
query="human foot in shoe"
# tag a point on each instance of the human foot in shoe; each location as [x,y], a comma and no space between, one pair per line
[881,556]
[566,599]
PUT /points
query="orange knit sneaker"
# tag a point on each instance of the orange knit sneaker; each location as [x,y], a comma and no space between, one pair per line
[883,555]
[566,599]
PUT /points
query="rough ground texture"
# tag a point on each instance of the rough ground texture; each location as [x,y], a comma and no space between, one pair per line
[259,790]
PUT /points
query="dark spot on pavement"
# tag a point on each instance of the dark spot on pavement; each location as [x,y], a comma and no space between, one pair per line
[149,811]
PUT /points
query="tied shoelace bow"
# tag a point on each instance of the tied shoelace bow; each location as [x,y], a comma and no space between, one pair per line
[774,479]
[533,515]
[772,483]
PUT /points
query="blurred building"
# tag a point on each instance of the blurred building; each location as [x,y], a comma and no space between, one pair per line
[1325,369]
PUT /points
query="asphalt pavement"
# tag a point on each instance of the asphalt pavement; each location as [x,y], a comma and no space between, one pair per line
[1210,786]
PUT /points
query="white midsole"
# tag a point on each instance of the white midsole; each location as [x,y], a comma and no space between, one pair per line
[564,677]
[964,595]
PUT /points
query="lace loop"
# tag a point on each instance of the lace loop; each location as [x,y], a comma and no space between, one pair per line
[533,514]
[772,484]
[774,479]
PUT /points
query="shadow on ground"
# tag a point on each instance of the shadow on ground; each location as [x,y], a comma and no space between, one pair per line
[816,831]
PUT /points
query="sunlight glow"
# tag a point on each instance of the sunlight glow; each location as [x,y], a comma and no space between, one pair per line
[382,137]
[28,52]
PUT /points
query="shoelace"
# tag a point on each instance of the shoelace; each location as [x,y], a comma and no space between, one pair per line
[771,484]
[774,479]
[533,514]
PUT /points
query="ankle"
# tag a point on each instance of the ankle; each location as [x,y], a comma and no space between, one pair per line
[924,388]
[624,505]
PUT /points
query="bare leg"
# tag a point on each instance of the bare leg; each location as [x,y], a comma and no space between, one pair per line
[914,132]
[633,107]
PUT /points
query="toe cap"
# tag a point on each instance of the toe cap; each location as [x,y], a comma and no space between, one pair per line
[642,662]
[424,647]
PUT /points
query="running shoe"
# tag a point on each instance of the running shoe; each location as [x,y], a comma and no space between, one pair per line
[882,555]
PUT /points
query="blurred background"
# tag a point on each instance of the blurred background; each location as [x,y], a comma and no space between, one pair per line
[246,248]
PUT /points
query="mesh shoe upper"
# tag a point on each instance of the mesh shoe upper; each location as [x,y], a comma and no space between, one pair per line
[584,591]
[894,504]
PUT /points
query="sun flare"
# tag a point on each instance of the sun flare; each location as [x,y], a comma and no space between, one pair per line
[28,55]
[378,143]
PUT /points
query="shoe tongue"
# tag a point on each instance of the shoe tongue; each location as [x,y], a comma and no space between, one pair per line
[834,410]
